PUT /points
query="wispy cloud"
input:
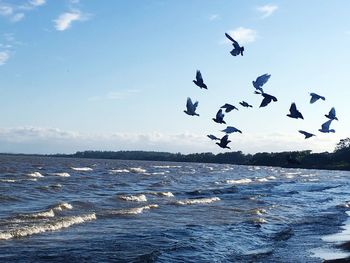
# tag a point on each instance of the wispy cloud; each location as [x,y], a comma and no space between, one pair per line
[37,2]
[115,95]
[16,12]
[17,17]
[267,10]
[214,17]
[4,56]
[64,21]
[242,35]
[5,9]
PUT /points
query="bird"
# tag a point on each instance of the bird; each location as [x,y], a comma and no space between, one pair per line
[237,49]
[213,137]
[231,129]
[191,108]
[315,97]
[307,134]
[325,127]
[223,142]
[267,99]
[229,107]
[245,104]
[260,81]
[199,80]
[294,113]
[219,118]
[331,114]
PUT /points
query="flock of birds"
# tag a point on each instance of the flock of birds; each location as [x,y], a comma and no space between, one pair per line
[267,99]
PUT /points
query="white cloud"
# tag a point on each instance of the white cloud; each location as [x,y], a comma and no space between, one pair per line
[267,10]
[17,17]
[5,10]
[4,56]
[115,95]
[64,21]
[243,35]
[37,2]
[214,17]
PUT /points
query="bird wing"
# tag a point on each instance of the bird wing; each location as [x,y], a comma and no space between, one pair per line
[261,80]
[265,101]
[226,105]
[303,132]
[219,115]
[189,104]
[293,108]
[195,105]
[224,139]
[314,97]
[230,38]
[199,76]
[332,112]
[325,126]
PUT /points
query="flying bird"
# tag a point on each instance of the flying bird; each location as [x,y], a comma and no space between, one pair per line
[223,142]
[267,99]
[325,127]
[245,104]
[191,108]
[260,81]
[294,113]
[237,49]
[315,97]
[213,137]
[199,80]
[307,134]
[331,115]
[229,107]
[219,118]
[231,129]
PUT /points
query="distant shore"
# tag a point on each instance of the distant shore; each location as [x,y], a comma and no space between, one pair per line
[337,160]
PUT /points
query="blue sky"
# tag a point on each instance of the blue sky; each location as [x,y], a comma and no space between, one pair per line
[115,75]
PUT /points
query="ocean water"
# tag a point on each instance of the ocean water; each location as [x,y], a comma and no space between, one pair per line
[86,210]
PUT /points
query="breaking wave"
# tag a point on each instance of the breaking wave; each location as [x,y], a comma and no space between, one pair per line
[82,169]
[35,174]
[134,211]
[61,174]
[239,181]
[134,198]
[198,201]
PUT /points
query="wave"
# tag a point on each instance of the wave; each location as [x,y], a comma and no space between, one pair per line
[239,181]
[62,206]
[134,211]
[35,174]
[8,180]
[137,170]
[82,169]
[115,171]
[58,224]
[166,194]
[134,198]
[198,201]
[43,214]
[61,174]
[166,166]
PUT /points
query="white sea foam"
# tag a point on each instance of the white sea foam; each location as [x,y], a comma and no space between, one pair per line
[47,226]
[166,194]
[82,169]
[61,174]
[262,180]
[166,166]
[35,174]
[158,173]
[137,170]
[134,198]
[63,206]
[198,201]
[43,214]
[271,177]
[115,171]
[135,211]
[239,181]
[8,180]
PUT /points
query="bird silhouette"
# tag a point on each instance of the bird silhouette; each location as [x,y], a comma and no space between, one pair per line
[331,115]
[260,81]
[267,99]
[213,137]
[219,118]
[307,134]
[315,97]
[199,80]
[231,129]
[294,113]
[325,127]
[223,142]
[229,107]
[237,49]
[245,104]
[191,108]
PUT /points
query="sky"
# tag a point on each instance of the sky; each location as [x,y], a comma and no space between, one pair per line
[115,74]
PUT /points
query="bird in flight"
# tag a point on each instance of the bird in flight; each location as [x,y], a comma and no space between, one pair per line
[331,115]
[231,129]
[325,127]
[294,113]
[306,134]
[213,137]
[199,80]
[260,81]
[267,99]
[229,107]
[191,107]
[245,104]
[237,49]
[315,97]
[223,142]
[219,118]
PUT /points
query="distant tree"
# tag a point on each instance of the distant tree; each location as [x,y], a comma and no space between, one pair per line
[343,144]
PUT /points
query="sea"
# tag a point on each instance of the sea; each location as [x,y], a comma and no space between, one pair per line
[89,210]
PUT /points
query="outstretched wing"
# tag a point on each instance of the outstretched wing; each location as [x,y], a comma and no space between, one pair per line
[261,80]
[293,108]
[325,126]
[265,101]
[219,115]
[199,76]
[332,112]
[224,140]
[189,104]
[230,38]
